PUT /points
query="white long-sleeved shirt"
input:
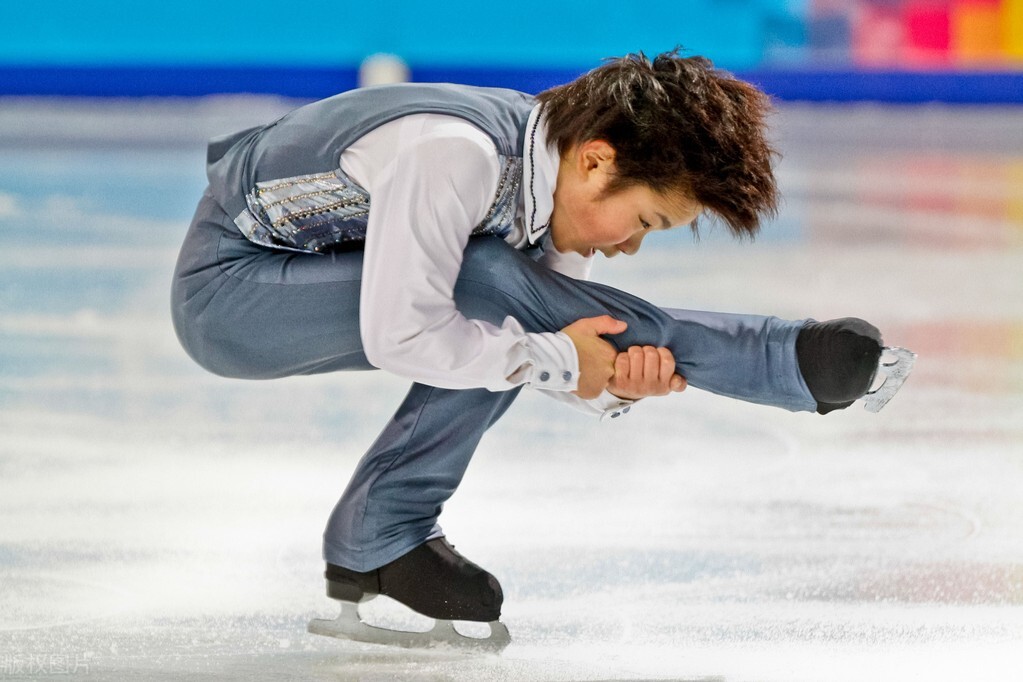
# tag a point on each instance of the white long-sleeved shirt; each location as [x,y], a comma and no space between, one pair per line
[432,178]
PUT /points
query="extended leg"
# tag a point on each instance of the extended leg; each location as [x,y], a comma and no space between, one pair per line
[748,357]
[799,365]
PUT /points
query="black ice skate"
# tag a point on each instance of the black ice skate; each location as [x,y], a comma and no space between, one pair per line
[435,581]
[845,360]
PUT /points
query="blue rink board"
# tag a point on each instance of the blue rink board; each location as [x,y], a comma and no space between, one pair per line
[897,87]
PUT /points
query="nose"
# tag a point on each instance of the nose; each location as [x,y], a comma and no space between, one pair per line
[631,245]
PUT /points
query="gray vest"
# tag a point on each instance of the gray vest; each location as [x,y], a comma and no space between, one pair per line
[283,185]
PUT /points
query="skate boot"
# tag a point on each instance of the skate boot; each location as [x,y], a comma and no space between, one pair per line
[435,581]
[841,360]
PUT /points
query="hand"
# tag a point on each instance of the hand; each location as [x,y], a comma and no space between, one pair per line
[645,371]
[596,356]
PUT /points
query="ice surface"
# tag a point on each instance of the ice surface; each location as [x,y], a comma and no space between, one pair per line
[157,522]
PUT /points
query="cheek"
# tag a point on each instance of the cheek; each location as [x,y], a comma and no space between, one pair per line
[605,222]
[587,220]
[619,228]
[604,225]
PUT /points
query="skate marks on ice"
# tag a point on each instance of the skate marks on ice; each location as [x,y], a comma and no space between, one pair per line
[29,599]
[361,661]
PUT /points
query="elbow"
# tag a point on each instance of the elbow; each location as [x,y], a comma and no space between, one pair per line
[372,342]
[375,351]
[383,352]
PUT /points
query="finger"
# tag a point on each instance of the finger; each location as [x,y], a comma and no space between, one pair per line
[605,324]
[636,369]
[667,367]
[651,364]
[622,367]
[678,383]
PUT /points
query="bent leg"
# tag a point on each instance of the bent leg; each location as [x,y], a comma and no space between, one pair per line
[398,489]
[246,312]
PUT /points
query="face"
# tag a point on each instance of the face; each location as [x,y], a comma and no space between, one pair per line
[585,220]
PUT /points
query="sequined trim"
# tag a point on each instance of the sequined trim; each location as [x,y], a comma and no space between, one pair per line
[501,214]
[532,173]
[329,211]
[318,212]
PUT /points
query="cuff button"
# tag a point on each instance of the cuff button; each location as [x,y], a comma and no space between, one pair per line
[544,376]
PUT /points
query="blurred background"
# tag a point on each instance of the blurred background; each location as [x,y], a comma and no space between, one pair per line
[892,50]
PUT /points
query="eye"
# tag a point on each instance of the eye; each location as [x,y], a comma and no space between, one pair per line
[645,224]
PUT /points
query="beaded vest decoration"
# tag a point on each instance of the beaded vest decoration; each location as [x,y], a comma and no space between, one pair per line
[329,211]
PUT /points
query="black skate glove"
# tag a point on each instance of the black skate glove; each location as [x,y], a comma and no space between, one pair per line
[838,360]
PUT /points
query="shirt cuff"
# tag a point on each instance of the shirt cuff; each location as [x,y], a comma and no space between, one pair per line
[555,363]
[611,406]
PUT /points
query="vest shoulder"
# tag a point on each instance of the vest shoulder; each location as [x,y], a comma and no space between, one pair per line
[437,93]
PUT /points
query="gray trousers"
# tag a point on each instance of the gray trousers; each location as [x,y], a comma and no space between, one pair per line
[244,311]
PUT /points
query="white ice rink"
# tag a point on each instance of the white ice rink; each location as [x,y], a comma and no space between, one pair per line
[157,522]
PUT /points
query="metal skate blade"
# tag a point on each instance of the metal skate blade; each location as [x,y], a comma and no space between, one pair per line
[895,372]
[349,625]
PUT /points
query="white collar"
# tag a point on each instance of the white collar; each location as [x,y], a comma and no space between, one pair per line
[539,176]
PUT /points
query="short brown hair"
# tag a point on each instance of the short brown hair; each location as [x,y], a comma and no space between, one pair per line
[678,125]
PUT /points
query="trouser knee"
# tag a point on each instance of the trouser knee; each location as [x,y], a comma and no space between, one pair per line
[838,360]
[490,259]
[495,281]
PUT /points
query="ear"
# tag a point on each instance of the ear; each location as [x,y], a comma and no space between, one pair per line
[595,155]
